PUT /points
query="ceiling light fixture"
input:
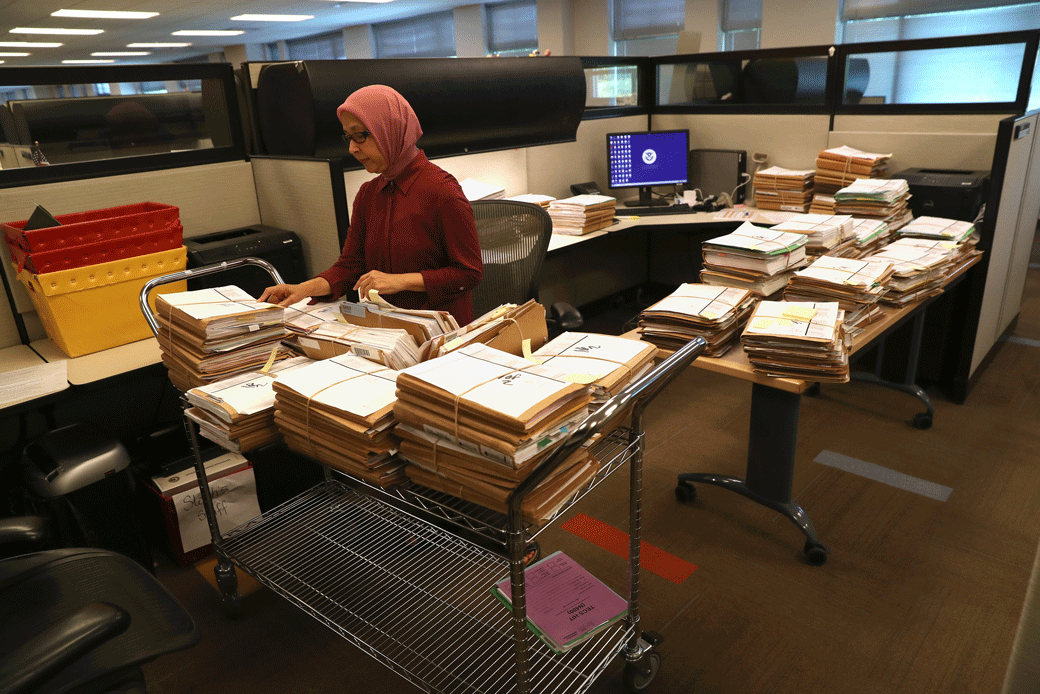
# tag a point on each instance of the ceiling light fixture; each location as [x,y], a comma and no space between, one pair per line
[157,45]
[28,44]
[62,32]
[14,55]
[374,2]
[86,62]
[206,32]
[103,14]
[272,17]
[120,53]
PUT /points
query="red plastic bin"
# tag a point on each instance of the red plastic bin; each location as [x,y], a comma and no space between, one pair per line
[71,257]
[81,228]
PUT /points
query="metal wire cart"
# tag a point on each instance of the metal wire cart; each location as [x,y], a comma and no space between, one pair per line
[405,573]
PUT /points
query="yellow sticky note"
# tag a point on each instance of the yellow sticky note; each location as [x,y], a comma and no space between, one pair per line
[763,323]
[454,344]
[270,359]
[802,313]
[710,315]
[947,244]
[526,347]
[583,379]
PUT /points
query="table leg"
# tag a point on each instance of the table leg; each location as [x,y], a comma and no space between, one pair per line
[772,445]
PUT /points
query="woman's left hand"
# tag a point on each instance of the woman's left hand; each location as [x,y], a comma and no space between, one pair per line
[388,284]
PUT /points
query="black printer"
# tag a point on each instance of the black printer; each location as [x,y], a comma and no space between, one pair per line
[279,247]
[947,193]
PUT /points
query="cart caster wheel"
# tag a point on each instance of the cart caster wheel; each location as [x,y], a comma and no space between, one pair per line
[638,676]
[816,553]
[532,553]
[653,638]
[685,492]
[922,420]
[233,605]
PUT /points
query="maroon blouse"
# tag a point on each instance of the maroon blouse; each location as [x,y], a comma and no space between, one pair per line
[419,222]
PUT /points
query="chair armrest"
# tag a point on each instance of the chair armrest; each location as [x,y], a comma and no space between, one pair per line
[34,662]
[565,316]
[31,531]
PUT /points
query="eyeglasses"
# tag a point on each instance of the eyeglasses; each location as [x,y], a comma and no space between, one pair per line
[359,137]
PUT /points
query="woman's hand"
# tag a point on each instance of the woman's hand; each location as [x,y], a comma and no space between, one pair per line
[289,294]
[389,284]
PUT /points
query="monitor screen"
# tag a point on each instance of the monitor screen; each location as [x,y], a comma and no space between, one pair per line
[648,159]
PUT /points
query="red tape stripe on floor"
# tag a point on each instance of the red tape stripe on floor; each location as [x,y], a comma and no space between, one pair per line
[653,559]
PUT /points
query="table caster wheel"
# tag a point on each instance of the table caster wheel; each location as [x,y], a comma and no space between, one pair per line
[685,492]
[922,420]
[638,676]
[816,553]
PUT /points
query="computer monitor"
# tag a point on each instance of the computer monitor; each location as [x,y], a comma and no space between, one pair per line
[645,159]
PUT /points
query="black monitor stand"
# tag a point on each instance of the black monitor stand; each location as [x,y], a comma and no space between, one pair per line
[646,199]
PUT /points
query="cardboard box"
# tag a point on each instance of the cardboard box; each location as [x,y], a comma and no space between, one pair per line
[95,307]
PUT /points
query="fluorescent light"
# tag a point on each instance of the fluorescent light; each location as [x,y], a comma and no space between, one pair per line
[366,1]
[157,45]
[28,44]
[272,17]
[120,53]
[103,14]
[63,32]
[206,32]
[86,62]
[14,55]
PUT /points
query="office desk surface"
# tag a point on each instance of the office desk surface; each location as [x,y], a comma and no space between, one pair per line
[100,365]
[22,359]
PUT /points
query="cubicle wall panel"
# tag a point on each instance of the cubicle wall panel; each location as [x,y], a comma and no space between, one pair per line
[551,169]
[210,198]
[507,168]
[297,195]
[985,123]
[790,141]
[594,270]
[955,151]
[1028,211]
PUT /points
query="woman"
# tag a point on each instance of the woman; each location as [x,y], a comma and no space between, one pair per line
[412,235]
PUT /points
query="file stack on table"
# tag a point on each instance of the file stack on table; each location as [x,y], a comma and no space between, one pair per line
[698,310]
[922,267]
[822,204]
[535,199]
[475,422]
[210,334]
[857,286]
[871,235]
[798,340]
[754,258]
[582,214]
[303,317]
[827,234]
[876,199]
[393,348]
[938,229]
[505,328]
[606,363]
[838,167]
[237,413]
[340,412]
[789,190]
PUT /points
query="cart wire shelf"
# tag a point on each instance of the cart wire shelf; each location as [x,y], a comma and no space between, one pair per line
[412,596]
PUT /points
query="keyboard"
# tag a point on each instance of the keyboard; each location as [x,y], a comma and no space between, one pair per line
[681,208]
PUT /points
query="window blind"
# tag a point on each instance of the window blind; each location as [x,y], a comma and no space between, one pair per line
[429,36]
[876,9]
[512,26]
[318,47]
[741,15]
[640,19]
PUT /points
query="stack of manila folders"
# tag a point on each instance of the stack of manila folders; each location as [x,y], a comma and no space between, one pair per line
[713,313]
[754,258]
[798,340]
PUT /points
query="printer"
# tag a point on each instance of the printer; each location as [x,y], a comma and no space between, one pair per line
[947,193]
[279,247]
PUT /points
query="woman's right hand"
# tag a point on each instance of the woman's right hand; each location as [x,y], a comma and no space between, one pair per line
[289,294]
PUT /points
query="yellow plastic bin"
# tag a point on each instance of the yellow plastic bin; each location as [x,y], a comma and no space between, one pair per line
[95,307]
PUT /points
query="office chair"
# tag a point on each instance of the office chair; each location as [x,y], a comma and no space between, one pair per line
[80,620]
[513,239]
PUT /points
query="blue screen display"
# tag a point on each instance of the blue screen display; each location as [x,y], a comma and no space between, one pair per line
[647,159]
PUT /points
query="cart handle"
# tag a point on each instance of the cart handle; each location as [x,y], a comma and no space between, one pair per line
[636,395]
[198,272]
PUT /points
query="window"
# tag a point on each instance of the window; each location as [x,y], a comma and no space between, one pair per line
[512,28]
[271,51]
[318,47]
[864,20]
[647,27]
[429,36]
[740,23]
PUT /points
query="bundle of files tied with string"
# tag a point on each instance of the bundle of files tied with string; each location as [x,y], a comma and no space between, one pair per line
[802,340]
[857,285]
[754,258]
[713,313]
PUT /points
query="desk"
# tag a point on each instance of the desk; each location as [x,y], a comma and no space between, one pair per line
[26,378]
[104,364]
[773,432]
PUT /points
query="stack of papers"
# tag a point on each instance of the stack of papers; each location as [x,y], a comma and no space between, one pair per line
[394,348]
[476,190]
[303,317]
[715,314]
[606,363]
[505,410]
[938,228]
[798,340]
[870,235]
[876,199]
[210,334]
[238,412]
[922,267]
[754,258]
[566,605]
[822,204]
[340,412]
[827,234]
[839,166]
[789,190]
[581,214]
[422,325]
[857,286]
[506,328]
[535,199]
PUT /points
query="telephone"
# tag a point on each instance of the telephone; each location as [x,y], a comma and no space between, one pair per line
[590,188]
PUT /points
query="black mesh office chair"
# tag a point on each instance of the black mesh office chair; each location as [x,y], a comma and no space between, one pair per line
[82,620]
[513,238]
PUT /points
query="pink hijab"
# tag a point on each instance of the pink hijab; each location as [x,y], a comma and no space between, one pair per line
[392,122]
